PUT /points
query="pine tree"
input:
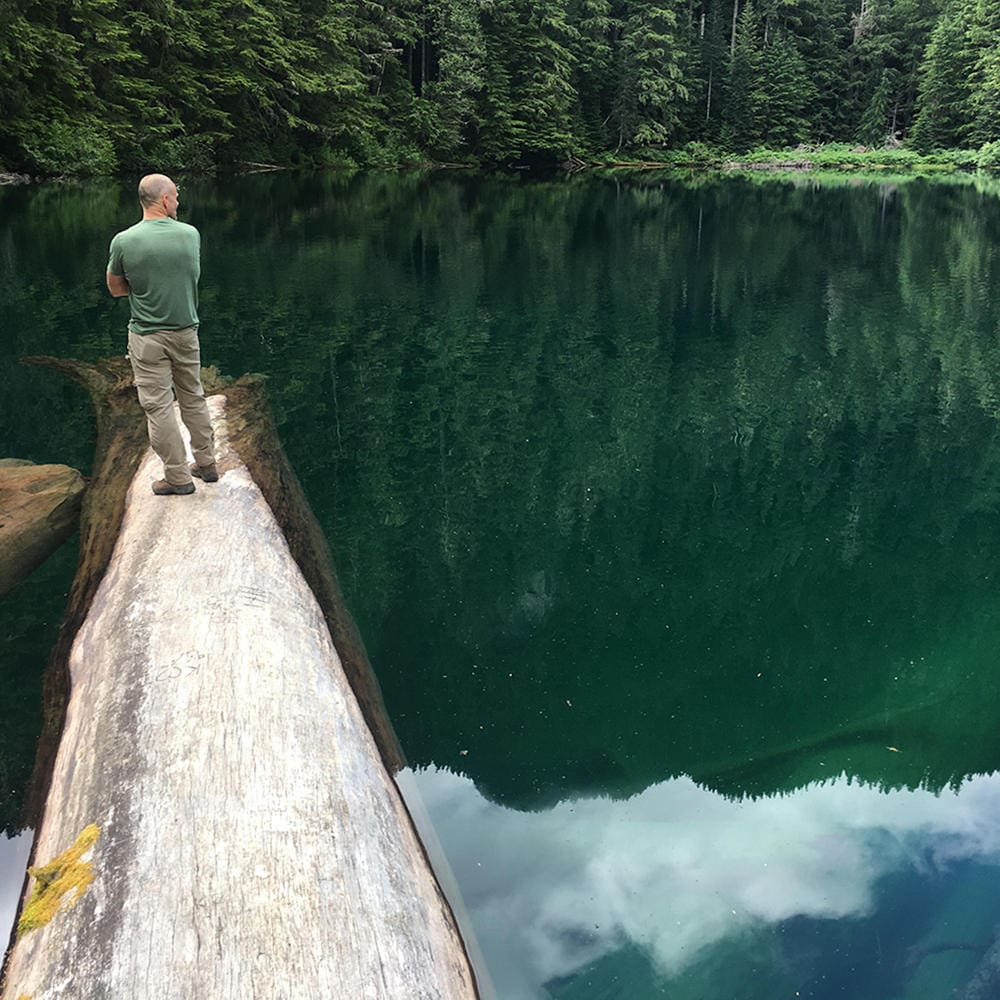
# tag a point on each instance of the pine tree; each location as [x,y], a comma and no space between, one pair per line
[821,30]
[876,123]
[458,39]
[786,93]
[942,100]
[592,70]
[542,76]
[985,104]
[984,110]
[48,108]
[744,96]
[649,88]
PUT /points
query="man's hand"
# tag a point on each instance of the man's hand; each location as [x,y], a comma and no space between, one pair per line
[118,285]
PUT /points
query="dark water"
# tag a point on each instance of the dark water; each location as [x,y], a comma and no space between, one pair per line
[669,514]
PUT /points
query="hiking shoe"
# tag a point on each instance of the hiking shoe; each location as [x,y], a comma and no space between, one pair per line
[206,473]
[164,489]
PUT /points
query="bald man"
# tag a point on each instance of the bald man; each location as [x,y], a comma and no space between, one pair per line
[157,263]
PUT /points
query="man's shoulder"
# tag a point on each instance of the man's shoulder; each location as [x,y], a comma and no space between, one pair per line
[124,235]
[154,231]
[185,232]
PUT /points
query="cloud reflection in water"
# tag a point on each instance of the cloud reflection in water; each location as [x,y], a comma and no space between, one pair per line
[678,869]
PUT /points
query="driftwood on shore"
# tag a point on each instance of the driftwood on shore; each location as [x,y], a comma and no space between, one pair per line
[215,807]
[39,510]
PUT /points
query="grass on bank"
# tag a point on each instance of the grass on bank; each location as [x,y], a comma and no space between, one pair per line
[830,156]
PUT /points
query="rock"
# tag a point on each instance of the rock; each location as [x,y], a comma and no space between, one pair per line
[39,510]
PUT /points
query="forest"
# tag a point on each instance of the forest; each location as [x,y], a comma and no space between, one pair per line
[105,86]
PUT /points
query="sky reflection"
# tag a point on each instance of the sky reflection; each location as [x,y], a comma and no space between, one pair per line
[677,869]
[13,861]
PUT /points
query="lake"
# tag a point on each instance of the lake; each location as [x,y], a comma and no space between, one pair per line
[669,511]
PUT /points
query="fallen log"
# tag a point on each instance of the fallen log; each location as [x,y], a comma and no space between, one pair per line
[39,510]
[216,813]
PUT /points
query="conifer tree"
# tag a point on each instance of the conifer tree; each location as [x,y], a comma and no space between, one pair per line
[48,109]
[458,38]
[876,124]
[592,71]
[984,110]
[649,88]
[785,93]
[543,75]
[942,101]
[744,96]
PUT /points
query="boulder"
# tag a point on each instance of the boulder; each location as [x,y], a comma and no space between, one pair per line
[39,510]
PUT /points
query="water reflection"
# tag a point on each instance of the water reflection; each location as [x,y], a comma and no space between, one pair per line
[694,882]
[14,853]
[624,483]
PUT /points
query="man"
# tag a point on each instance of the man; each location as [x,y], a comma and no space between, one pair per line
[157,263]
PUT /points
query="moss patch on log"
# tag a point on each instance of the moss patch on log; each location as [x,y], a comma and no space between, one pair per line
[59,884]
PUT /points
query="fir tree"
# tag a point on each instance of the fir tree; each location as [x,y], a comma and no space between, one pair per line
[785,93]
[744,95]
[943,96]
[649,89]
[458,38]
[876,123]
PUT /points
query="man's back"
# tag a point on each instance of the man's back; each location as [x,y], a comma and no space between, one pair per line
[161,260]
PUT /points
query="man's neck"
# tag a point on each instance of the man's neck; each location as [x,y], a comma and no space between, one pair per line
[156,212]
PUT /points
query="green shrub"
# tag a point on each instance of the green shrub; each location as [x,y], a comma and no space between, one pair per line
[988,155]
[61,145]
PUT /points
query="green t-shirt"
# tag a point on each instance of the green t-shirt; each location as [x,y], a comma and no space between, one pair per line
[161,260]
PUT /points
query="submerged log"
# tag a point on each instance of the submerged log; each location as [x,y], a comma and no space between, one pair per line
[39,510]
[219,818]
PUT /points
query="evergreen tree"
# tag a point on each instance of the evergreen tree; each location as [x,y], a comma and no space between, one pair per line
[984,102]
[876,123]
[649,88]
[499,139]
[785,93]
[459,39]
[592,70]
[944,84]
[745,99]
[48,108]
[543,93]
[821,32]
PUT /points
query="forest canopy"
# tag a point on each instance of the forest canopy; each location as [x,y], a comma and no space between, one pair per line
[97,86]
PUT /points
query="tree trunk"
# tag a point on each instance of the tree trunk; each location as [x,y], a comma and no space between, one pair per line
[214,784]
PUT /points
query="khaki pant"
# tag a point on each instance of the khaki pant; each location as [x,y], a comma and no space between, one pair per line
[164,364]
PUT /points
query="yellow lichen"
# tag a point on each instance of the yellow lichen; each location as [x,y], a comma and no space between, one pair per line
[59,884]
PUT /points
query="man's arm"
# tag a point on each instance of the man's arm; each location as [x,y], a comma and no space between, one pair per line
[118,285]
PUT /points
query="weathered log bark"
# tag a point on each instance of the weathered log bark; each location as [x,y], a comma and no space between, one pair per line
[220,808]
[39,510]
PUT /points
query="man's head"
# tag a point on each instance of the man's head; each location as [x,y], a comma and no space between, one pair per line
[158,197]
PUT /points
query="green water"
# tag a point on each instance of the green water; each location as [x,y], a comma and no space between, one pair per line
[669,514]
